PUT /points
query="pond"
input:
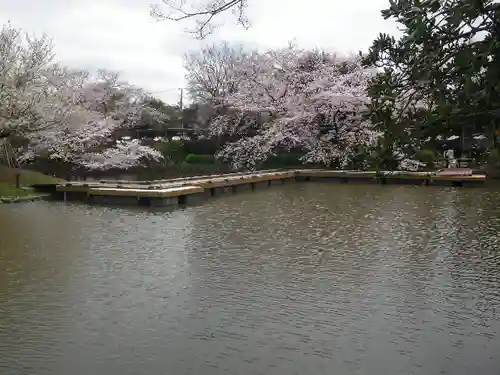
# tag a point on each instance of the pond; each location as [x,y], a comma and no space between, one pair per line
[305,278]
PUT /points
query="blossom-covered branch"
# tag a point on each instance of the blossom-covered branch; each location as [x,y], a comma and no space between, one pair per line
[64,113]
[89,118]
[113,157]
[25,63]
[296,99]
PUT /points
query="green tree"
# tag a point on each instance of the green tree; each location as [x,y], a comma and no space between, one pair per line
[443,72]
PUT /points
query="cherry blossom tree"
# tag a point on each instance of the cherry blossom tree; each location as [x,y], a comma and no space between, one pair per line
[296,99]
[63,113]
[202,12]
[24,65]
[113,157]
[88,116]
[210,72]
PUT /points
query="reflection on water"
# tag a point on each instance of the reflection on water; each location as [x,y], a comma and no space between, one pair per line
[306,278]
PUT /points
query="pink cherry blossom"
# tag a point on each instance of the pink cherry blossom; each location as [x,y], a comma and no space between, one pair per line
[296,99]
[83,119]
[66,114]
[125,154]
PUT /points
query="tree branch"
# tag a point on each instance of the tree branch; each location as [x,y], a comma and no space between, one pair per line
[204,16]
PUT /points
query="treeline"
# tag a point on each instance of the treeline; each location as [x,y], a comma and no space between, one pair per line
[396,106]
[416,93]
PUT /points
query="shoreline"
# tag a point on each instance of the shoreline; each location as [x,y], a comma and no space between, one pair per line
[27,198]
[179,192]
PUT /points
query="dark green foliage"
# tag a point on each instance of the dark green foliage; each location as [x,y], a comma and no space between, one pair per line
[202,146]
[493,157]
[288,159]
[172,151]
[200,159]
[428,157]
[442,73]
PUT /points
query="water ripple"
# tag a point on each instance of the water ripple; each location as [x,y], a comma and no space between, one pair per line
[321,278]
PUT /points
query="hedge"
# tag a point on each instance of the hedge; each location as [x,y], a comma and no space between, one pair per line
[200,159]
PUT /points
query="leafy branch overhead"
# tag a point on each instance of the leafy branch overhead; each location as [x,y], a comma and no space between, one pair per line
[446,63]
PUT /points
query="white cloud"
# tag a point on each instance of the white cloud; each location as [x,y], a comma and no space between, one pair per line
[120,35]
[337,25]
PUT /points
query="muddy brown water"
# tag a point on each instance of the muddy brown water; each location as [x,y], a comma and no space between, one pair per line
[295,279]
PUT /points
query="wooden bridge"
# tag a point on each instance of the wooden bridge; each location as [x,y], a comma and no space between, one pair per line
[173,192]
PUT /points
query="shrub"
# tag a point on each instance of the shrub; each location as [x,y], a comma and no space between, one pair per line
[173,150]
[493,157]
[427,156]
[285,159]
[200,159]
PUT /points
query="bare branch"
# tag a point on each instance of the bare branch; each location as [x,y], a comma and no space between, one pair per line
[203,15]
[211,72]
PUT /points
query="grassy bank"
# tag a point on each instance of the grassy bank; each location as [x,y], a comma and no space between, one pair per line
[7,190]
[26,179]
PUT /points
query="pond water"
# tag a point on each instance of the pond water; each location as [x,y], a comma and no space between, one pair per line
[304,278]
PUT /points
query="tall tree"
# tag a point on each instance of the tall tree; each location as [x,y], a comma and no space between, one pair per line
[442,73]
[203,14]
[26,69]
[84,130]
[65,114]
[294,99]
[210,72]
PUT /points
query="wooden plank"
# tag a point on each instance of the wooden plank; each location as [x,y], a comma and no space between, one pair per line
[75,188]
[147,193]
[193,185]
[405,173]
[454,172]
[183,179]
[223,182]
[476,177]
[332,173]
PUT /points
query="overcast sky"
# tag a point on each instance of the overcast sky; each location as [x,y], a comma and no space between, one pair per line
[120,35]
